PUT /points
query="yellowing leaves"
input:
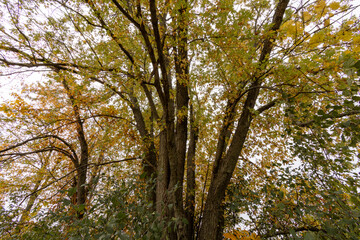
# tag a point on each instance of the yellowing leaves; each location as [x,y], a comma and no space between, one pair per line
[327,22]
[316,39]
[320,7]
[356,49]
[346,36]
[334,5]
[356,40]
[309,219]
[306,16]
[241,235]
[291,28]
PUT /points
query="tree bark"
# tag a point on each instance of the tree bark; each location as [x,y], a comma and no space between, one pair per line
[81,191]
[190,179]
[182,111]
[149,159]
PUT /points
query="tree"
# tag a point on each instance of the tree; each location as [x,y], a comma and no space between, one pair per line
[58,134]
[248,71]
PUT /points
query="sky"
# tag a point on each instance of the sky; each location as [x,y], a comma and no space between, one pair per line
[14,83]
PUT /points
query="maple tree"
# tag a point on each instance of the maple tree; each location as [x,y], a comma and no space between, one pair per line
[240,112]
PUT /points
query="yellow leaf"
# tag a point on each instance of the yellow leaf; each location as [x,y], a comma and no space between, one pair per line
[317,39]
[291,28]
[356,49]
[346,36]
[320,7]
[230,236]
[356,40]
[334,5]
[327,22]
[241,235]
[306,16]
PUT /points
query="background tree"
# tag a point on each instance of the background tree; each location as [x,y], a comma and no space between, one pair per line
[59,139]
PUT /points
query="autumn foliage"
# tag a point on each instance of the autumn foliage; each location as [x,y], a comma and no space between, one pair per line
[178,119]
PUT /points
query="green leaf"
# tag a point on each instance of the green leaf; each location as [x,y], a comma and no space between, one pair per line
[309,236]
[357,65]
[66,201]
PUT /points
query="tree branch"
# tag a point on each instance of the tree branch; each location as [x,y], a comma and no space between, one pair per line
[127,53]
[76,169]
[73,156]
[267,106]
[308,123]
[286,232]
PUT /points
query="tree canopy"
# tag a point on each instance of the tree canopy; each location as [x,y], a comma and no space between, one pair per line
[180,119]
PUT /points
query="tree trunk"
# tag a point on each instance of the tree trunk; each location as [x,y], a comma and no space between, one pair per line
[81,169]
[211,225]
[30,203]
[190,179]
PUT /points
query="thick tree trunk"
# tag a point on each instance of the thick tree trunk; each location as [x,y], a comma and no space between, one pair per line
[149,169]
[213,211]
[81,189]
[173,139]
[174,129]
[190,179]
[163,175]
[182,112]
[84,160]
[211,225]
[149,161]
